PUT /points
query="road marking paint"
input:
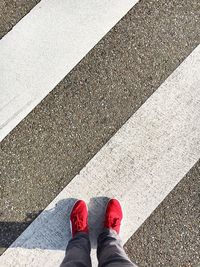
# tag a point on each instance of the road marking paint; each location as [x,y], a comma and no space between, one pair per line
[44,46]
[139,165]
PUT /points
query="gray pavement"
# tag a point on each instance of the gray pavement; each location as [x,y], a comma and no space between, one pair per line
[171,235]
[12,11]
[56,140]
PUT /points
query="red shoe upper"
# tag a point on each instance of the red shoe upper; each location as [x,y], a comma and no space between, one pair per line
[79,218]
[113,215]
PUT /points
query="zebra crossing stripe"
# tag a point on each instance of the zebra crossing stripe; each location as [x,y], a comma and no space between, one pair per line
[139,165]
[44,46]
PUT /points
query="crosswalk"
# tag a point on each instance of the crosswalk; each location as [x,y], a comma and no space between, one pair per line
[51,50]
[124,122]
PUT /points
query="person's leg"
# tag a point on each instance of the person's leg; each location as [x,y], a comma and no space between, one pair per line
[78,249]
[110,252]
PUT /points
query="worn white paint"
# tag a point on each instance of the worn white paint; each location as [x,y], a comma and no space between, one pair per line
[140,165]
[44,46]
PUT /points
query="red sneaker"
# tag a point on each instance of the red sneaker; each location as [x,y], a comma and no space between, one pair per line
[79,218]
[114,215]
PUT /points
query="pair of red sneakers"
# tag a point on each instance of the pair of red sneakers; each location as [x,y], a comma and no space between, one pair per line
[79,216]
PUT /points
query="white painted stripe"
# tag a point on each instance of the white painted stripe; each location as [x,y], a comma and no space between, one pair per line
[44,46]
[140,165]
